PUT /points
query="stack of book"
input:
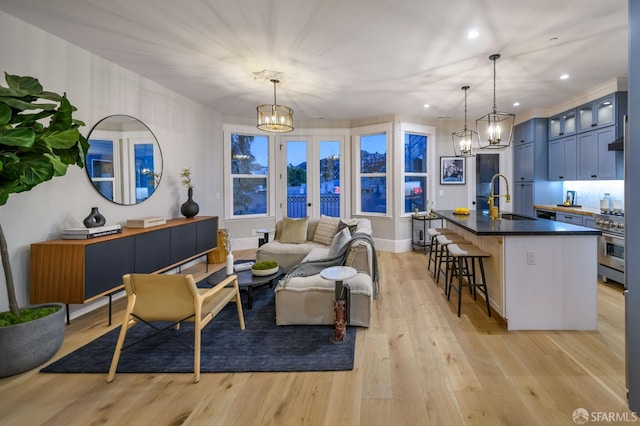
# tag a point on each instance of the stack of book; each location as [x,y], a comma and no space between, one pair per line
[86,233]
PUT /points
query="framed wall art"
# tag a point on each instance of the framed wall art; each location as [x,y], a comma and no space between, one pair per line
[453,171]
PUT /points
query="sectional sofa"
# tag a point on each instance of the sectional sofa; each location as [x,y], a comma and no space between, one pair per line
[308,298]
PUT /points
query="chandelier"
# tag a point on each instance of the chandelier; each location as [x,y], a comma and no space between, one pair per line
[463,139]
[495,130]
[273,117]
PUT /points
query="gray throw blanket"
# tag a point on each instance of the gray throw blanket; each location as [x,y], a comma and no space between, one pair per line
[312,267]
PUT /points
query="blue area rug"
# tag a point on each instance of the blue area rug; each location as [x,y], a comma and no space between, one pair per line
[262,346]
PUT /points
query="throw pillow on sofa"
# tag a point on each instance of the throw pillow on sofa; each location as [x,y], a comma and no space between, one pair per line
[326,230]
[339,241]
[294,231]
[351,224]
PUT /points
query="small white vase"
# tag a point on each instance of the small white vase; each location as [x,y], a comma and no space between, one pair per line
[230,264]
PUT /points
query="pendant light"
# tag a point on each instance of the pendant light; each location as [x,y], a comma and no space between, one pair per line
[273,117]
[463,139]
[495,130]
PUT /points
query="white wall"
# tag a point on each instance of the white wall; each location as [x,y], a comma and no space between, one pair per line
[189,136]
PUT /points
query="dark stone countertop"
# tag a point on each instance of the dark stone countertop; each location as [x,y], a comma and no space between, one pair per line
[481,224]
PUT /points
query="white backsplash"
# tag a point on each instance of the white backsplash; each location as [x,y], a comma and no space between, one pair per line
[589,192]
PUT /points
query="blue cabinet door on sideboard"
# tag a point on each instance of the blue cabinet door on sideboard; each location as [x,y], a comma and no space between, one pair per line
[207,234]
[153,251]
[183,242]
[106,263]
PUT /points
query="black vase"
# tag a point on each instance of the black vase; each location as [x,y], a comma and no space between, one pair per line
[94,219]
[190,208]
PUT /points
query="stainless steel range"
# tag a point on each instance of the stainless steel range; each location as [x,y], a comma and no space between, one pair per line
[611,245]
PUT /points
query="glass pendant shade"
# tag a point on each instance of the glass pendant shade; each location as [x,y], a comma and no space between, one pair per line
[463,139]
[273,117]
[495,130]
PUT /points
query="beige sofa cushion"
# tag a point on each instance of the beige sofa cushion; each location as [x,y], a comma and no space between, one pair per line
[326,229]
[309,300]
[352,224]
[294,231]
[287,255]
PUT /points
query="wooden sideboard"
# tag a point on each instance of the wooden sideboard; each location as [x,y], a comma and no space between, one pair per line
[79,271]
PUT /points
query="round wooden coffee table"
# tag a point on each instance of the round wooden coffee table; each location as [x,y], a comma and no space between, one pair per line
[246,280]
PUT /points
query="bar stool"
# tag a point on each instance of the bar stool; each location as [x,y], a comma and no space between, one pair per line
[453,267]
[464,253]
[433,245]
[443,241]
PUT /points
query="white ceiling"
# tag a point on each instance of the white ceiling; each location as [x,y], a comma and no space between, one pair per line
[352,59]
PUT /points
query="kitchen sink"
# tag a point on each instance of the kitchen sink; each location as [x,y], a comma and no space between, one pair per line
[511,216]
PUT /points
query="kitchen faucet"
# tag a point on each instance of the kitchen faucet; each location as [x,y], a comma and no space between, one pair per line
[493,210]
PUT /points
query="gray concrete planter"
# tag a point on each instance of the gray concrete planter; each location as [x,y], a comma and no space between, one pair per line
[26,346]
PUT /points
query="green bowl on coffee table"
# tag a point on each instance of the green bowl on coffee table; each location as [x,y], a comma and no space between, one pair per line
[264,268]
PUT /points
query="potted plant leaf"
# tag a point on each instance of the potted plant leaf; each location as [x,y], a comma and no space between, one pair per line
[39,139]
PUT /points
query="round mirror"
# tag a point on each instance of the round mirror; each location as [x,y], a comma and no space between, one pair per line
[124,161]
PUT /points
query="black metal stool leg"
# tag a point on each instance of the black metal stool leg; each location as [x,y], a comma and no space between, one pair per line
[433,245]
[472,276]
[459,286]
[440,255]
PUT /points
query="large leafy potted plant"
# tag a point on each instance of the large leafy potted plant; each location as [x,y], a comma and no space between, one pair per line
[32,151]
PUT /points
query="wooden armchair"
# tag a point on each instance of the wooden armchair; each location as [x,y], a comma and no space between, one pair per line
[173,297]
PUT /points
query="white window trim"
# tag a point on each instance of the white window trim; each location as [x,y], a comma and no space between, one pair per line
[313,137]
[432,172]
[227,131]
[356,134]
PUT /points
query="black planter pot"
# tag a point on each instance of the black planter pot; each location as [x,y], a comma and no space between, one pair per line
[26,346]
[190,208]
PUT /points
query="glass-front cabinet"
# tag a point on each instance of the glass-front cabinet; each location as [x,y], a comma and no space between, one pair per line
[598,113]
[563,124]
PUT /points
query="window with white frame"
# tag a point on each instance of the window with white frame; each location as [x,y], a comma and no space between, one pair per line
[372,181]
[415,172]
[417,186]
[249,173]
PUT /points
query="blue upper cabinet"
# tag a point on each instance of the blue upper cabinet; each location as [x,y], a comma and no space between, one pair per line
[595,161]
[531,183]
[524,133]
[563,162]
[562,125]
[605,111]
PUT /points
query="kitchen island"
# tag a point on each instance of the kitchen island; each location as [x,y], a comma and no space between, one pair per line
[542,274]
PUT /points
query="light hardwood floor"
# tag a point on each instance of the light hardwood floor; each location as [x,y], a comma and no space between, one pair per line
[418,364]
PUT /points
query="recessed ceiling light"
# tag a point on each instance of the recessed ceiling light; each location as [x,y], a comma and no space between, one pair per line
[427,106]
[516,104]
[564,76]
[472,34]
